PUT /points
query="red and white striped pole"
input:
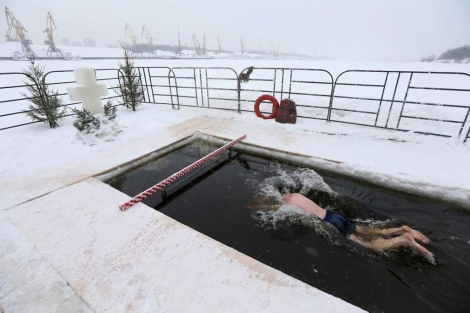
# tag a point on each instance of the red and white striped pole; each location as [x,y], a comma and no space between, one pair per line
[177,175]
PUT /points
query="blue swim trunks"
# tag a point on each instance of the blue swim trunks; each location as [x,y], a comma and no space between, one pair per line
[345,226]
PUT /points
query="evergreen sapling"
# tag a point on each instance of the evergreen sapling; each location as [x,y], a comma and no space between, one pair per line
[110,110]
[130,89]
[85,121]
[46,105]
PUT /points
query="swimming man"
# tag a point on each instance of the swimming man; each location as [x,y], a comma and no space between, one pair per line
[365,235]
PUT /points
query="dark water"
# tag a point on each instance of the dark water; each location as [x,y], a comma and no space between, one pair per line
[400,281]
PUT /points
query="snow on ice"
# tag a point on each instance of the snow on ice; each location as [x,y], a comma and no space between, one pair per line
[45,175]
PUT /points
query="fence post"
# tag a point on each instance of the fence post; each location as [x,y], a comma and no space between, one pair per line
[466,137]
[333,89]
[393,99]
[404,101]
[463,125]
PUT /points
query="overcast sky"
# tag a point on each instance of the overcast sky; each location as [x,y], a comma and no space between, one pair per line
[341,29]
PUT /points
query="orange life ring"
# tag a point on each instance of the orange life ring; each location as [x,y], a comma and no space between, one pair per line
[272,100]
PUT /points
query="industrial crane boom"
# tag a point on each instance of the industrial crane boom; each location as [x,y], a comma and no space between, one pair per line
[147,34]
[14,24]
[220,47]
[179,41]
[275,52]
[20,35]
[52,51]
[50,26]
[196,43]
[131,34]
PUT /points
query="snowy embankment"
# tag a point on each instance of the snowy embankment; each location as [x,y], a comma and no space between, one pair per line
[431,166]
[419,164]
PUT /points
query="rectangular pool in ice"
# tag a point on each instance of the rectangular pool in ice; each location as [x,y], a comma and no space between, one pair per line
[219,202]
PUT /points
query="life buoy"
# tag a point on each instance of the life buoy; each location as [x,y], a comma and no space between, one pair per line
[268,98]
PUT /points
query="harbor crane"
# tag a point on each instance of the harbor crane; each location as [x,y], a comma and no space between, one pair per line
[275,52]
[147,35]
[15,25]
[132,36]
[203,50]
[220,47]
[149,38]
[179,50]
[197,45]
[52,51]
[20,36]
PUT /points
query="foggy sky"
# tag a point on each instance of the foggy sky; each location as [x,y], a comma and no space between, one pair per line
[340,29]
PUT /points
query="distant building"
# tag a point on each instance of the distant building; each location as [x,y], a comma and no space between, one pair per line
[113,46]
[65,41]
[77,44]
[89,42]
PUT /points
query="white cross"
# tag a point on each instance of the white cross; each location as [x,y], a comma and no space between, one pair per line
[88,91]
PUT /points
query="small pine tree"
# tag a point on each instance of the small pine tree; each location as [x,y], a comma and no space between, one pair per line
[110,110]
[46,105]
[85,120]
[130,88]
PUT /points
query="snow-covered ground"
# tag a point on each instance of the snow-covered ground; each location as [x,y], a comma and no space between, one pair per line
[335,68]
[451,151]
[40,168]
[431,166]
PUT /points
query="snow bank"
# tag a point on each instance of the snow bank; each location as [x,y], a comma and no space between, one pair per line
[424,165]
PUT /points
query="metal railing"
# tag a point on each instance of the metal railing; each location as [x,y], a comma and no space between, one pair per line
[158,84]
[12,90]
[467,136]
[196,88]
[58,80]
[312,89]
[65,78]
[383,99]
[378,102]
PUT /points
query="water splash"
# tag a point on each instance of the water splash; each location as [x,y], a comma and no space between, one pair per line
[309,180]
[305,181]
[301,180]
[292,215]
